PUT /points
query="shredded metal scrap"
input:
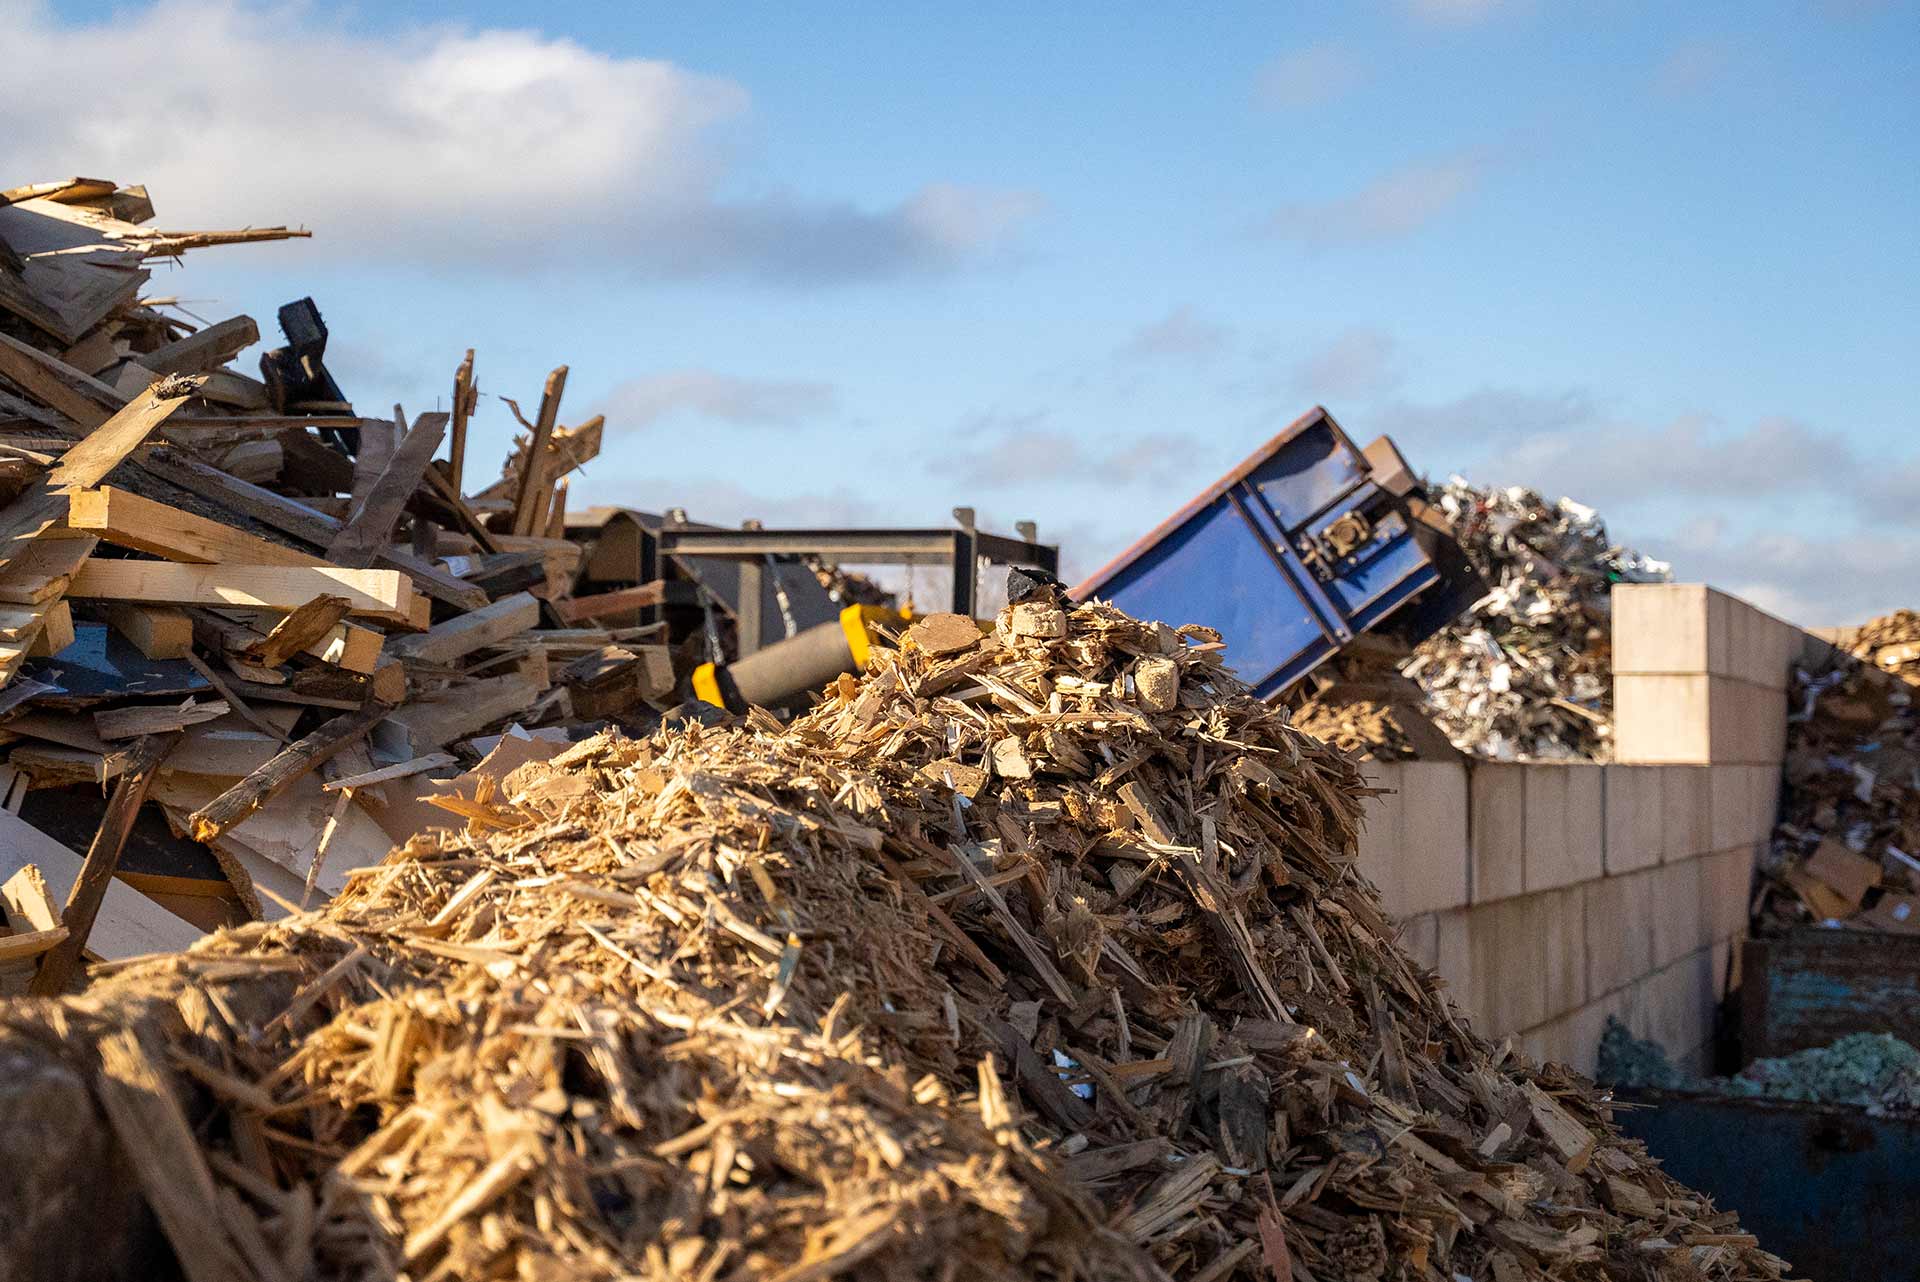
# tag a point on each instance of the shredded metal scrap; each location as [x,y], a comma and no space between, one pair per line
[1847,847]
[1525,672]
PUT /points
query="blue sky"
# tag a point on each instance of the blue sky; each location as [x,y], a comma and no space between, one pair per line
[1070,264]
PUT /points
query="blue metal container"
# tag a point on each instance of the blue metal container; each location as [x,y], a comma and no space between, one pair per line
[1304,546]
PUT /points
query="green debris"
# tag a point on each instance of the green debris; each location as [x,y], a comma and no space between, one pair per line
[1626,1060]
[1876,1072]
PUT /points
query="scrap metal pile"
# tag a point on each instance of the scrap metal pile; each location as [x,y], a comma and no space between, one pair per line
[1525,673]
[1038,953]
[1847,847]
[235,598]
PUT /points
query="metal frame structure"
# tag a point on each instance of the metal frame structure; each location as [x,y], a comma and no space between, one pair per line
[961,549]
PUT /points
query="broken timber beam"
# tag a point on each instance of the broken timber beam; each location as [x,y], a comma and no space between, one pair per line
[370,527]
[285,769]
[102,858]
[490,625]
[531,502]
[87,463]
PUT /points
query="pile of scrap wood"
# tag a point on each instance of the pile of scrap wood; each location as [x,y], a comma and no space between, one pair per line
[1847,845]
[236,599]
[1039,954]
[1525,673]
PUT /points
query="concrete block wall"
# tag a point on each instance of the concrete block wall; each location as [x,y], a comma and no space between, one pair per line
[1551,895]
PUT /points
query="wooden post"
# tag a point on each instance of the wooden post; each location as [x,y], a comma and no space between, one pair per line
[531,503]
[465,396]
[103,856]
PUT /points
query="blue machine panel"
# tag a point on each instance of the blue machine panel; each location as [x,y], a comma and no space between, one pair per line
[1288,557]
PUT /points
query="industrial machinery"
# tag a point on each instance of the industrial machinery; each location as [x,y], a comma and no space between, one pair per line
[1304,547]
[746,603]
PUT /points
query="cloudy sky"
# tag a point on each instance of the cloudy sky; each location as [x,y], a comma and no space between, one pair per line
[1064,263]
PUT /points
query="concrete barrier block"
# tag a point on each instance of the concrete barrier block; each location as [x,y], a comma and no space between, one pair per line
[1586,1026]
[1420,936]
[1453,953]
[1497,831]
[1565,825]
[1635,813]
[1680,1002]
[1686,797]
[1508,958]
[1676,915]
[1618,926]
[1662,627]
[1433,838]
[1562,924]
[1726,890]
[1662,718]
[1378,845]
[1730,790]
[1766,801]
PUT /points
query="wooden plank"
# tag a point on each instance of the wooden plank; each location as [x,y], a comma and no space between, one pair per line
[370,527]
[576,609]
[281,773]
[129,924]
[305,523]
[466,395]
[202,350]
[133,521]
[102,858]
[41,572]
[428,724]
[156,631]
[400,770]
[86,464]
[28,901]
[377,442]
[56,630]
[530,503]
[81,398]
[446,642]
[379,594]
[299,631]
[132,723]
[347,645]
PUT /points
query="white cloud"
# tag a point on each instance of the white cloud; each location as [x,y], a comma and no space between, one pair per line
[728,398]
[480,148]
[1309,75]
[1396,204]
[1008,451]
[1357,364]
[1181,332]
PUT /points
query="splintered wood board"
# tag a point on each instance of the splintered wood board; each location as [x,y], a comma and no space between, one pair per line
[386,595]
[129,923]
[42,570]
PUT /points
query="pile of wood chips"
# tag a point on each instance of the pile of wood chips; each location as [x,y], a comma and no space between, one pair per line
[242,601]
[1033,954]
